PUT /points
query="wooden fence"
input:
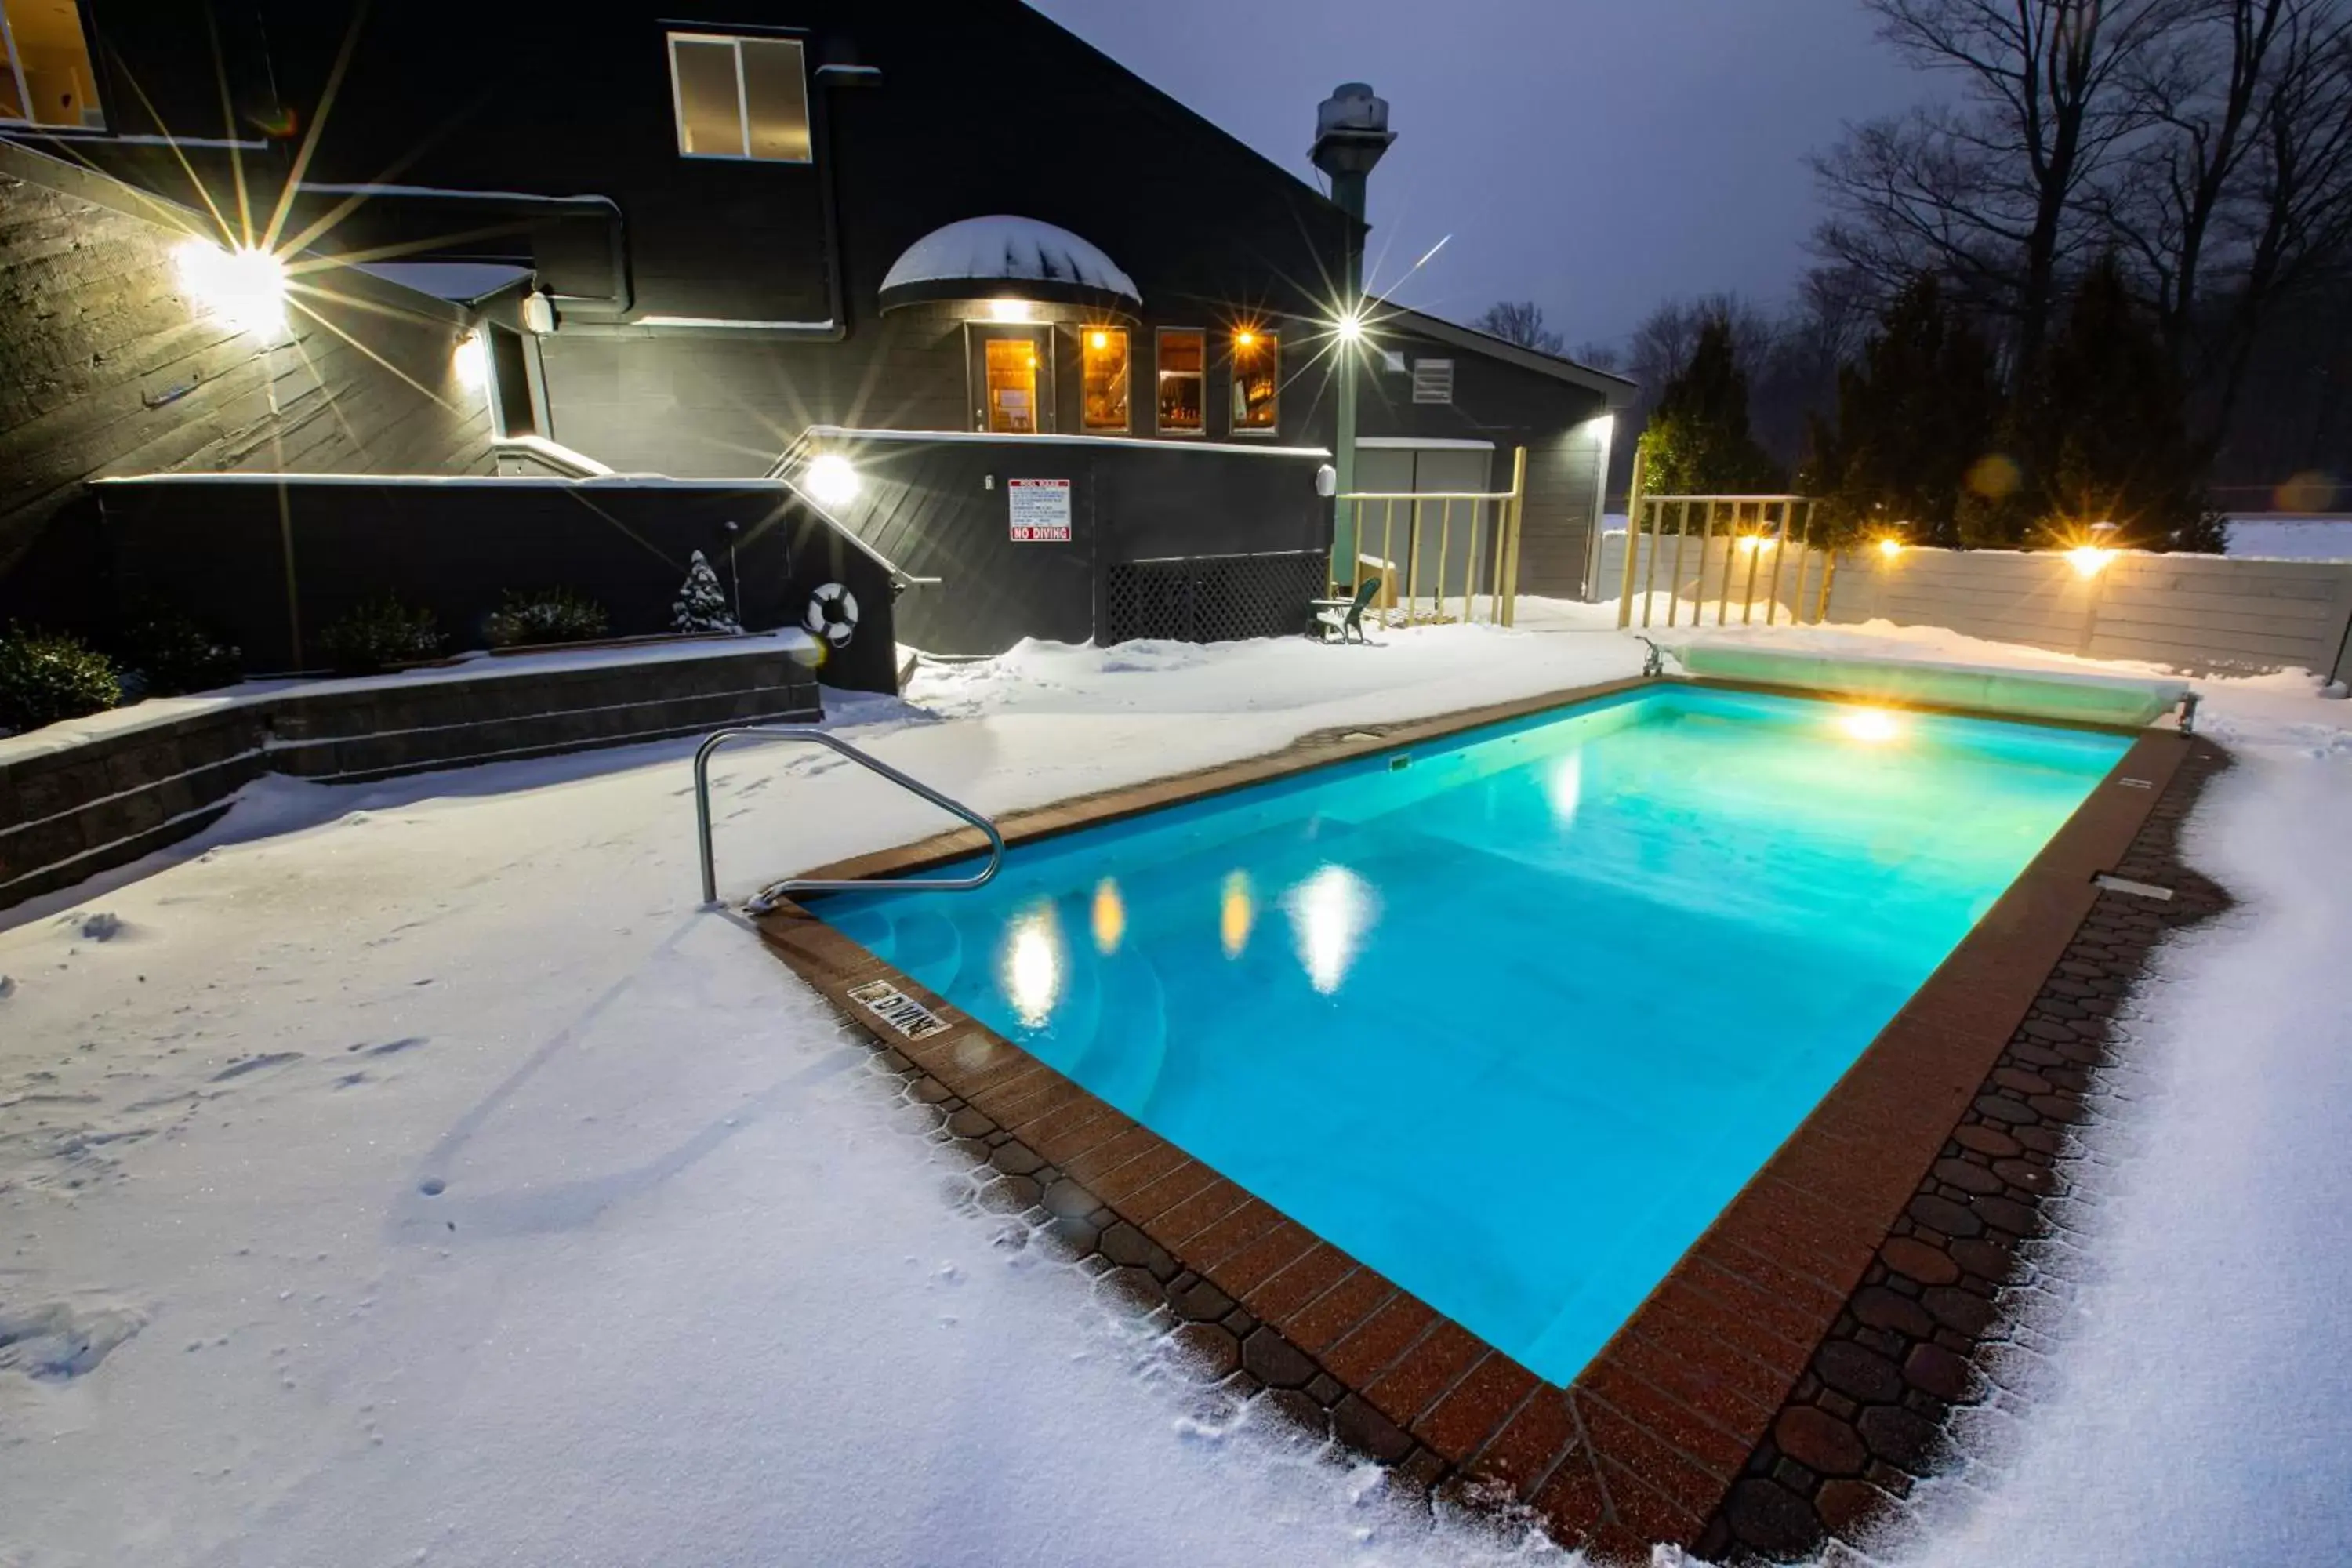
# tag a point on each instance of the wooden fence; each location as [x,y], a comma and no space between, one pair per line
[2200,613]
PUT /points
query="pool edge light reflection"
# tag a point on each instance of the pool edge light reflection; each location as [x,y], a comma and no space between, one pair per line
[1033,965]
[1872,726]
[1330,914]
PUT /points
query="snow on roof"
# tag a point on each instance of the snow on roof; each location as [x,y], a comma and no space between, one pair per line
[1011,248]
[462,282]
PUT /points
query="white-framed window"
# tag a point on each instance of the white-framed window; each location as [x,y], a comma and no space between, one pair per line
[1433,380]
[739,98]
[46,73]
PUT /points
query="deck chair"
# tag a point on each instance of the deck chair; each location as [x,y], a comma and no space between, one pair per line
[1341,617]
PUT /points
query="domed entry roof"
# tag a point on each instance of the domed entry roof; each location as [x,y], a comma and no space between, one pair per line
[986,257]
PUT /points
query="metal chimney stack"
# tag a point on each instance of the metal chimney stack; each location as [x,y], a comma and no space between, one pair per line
[1351,133]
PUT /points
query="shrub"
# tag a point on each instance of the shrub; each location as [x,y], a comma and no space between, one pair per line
[544,616]
[380,634]
[46,677]
[164,652]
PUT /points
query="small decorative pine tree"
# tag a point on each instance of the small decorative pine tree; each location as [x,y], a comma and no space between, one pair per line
[701,603]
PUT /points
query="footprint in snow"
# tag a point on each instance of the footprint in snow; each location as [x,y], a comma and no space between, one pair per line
[54,1343]
[390,1047]
[101,926]
[254,1064]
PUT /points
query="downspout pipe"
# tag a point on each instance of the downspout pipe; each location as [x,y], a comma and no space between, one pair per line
[834,328]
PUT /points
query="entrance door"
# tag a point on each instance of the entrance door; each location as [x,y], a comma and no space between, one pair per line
[1011,376]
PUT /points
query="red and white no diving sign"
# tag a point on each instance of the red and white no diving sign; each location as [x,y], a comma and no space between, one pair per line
[1041,510]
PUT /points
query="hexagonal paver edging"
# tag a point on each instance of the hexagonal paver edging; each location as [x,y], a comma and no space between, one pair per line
[1648,1443]
[1923,1339]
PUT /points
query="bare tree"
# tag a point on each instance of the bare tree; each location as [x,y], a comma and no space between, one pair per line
[2242,184]
[1519,321]
[2296,224]
[1987,192]
[1662,344]
[1600,355]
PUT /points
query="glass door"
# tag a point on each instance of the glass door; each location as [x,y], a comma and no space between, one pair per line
[1012,381]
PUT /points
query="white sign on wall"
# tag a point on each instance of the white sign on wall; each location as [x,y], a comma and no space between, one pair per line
[1041,510]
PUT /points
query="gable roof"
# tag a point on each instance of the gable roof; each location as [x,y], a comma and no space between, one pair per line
[1619,390]
[1178,109]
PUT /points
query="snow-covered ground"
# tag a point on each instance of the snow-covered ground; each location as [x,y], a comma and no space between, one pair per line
[411,1173]
[2292,539]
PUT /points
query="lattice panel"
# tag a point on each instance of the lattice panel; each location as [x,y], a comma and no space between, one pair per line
[1212,598]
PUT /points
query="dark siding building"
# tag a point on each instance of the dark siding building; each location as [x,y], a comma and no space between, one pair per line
[714,240]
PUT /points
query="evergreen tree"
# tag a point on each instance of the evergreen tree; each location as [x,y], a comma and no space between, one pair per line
[1915,417]
[701,603]
[2098,433]
[1697,442]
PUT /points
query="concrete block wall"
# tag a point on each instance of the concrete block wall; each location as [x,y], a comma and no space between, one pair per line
[85,805]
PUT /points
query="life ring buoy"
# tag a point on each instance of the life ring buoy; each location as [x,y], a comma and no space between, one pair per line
[833,615]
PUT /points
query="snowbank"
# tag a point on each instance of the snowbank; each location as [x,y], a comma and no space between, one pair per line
[2295,539]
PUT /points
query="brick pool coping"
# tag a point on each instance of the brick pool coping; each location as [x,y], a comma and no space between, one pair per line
[1649,1440]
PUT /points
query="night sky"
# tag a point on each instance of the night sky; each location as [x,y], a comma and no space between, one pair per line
[1592,156]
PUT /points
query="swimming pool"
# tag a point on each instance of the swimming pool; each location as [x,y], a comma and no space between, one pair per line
[1510,1016]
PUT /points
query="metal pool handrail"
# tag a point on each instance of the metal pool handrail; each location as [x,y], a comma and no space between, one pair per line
[765,899]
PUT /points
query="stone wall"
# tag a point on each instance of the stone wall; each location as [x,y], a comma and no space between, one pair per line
[88,804]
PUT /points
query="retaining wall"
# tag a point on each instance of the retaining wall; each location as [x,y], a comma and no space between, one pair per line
[86,803]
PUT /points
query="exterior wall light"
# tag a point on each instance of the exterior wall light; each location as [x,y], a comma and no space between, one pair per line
[246,288]
[1008,309]
[1890,547]
[832,480]
[2089,560]
[472,363]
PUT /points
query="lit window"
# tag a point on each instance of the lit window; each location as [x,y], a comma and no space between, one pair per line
[1433,380]
[1103,353]
[1257,380]
[44,71]
[1183,353]
[1010,365]
[739,98]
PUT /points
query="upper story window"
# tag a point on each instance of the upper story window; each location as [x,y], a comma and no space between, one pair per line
[48,78]
[1183,353]
[739,98]
[1102,353]
[1257,380]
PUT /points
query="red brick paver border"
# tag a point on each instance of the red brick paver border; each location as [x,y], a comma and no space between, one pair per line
[1651,1439]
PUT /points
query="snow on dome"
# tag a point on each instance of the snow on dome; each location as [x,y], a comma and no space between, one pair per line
[1005,249]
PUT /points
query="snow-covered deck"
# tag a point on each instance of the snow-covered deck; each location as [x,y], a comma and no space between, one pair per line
[410,1172]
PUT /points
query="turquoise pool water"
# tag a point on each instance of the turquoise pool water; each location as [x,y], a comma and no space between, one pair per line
[1511,1016]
